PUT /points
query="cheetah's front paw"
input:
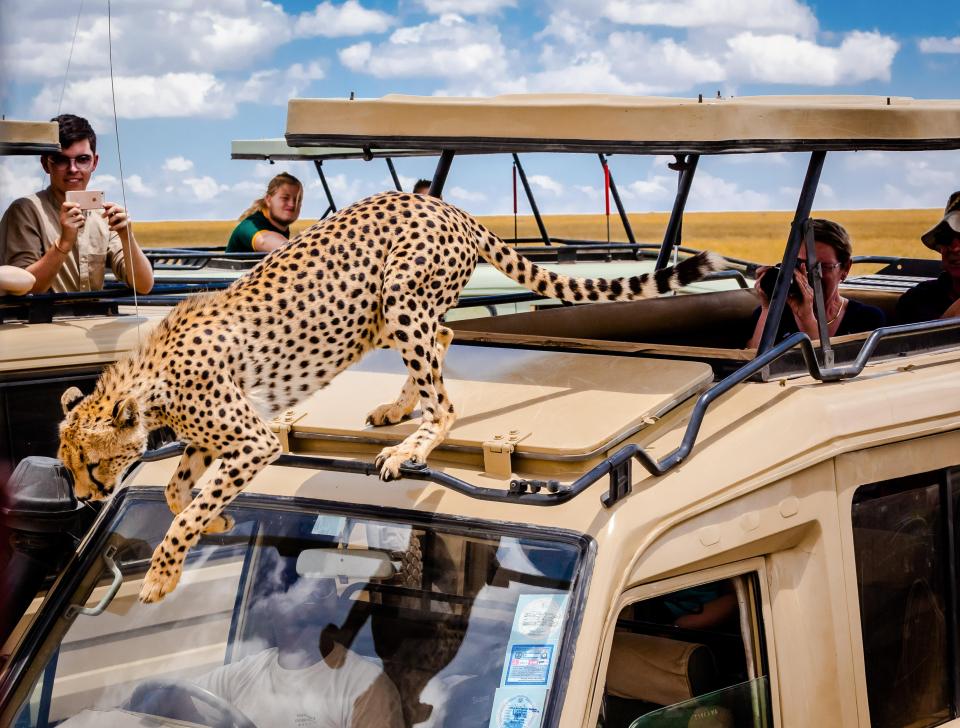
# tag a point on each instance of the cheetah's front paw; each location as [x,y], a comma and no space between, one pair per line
[390,459]
[220,524]
[161,579]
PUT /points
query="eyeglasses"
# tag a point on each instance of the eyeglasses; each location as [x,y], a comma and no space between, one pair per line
[826,267]
[83,162]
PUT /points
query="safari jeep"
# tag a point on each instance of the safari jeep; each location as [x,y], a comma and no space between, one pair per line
[634,522]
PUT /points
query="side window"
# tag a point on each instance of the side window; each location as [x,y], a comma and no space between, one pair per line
[688,657]
[904,535]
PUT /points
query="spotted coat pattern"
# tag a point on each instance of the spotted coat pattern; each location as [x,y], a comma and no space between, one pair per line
[380,273]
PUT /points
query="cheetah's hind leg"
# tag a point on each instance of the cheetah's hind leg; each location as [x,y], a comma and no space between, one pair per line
[390,413]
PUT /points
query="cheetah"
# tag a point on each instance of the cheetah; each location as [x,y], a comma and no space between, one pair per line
[380,273]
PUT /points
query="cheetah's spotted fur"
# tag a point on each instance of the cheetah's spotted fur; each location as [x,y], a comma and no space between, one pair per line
[379,273]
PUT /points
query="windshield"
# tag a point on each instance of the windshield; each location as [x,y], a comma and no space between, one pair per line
[308,617]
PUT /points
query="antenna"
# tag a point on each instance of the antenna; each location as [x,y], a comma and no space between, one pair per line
[123,189]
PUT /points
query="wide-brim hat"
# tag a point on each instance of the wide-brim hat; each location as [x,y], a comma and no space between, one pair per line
[948,225]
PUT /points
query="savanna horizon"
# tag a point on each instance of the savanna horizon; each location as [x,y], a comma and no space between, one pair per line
[757,236]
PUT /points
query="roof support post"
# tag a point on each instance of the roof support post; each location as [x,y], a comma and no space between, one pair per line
[815,276]
[440,173]
[797,231]
[393,173]
[532,201]
[331,205]
[686,165]
[616,199]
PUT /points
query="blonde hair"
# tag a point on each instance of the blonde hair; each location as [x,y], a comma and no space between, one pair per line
[284,178]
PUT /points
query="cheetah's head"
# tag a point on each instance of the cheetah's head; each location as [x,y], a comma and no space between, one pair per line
[99,438]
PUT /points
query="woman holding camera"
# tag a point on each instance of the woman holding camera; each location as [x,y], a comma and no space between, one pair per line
[844,316]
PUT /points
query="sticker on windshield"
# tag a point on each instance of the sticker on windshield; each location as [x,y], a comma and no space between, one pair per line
[540,616]
[518,708]
[531,651]
[529,665]
[330,526]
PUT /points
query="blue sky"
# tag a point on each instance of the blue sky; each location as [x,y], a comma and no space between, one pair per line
[191,76]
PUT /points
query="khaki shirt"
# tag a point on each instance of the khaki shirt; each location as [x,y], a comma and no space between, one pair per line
[31,225]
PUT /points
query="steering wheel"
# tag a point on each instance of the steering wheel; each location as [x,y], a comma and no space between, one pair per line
[229,715]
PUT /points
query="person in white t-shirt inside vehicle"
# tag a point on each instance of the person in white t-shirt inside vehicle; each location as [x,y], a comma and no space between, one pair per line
[306,680]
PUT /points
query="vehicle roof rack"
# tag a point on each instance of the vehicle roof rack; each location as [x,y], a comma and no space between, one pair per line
[618,465]
[29,137]
[43,307]
[598,123]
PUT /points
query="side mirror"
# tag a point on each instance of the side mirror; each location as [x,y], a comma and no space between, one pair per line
[39,497]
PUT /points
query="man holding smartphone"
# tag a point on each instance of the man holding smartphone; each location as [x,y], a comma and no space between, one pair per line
[57,235]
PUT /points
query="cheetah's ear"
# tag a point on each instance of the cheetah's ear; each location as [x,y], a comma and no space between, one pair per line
[70,399]
[126,413]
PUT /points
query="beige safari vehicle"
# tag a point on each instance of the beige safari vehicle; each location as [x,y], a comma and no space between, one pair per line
[632,523]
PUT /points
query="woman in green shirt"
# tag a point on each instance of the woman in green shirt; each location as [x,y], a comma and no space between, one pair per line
[265,225]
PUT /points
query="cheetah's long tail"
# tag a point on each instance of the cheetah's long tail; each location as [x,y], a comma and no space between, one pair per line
[553,285]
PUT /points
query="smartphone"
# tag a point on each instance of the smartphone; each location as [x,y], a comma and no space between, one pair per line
[87,199]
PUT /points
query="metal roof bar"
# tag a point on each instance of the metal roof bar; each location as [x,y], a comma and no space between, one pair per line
[797,231]
[533,203]
[393,174]
[686,165]
[617,466]
[331,205]
[441,172]
[616,198]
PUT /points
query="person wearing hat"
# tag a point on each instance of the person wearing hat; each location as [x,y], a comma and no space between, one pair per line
[939,298]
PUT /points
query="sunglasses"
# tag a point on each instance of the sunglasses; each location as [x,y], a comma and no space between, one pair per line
[826,267]
[83,162]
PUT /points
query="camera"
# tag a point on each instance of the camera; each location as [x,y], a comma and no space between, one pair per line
[769,280]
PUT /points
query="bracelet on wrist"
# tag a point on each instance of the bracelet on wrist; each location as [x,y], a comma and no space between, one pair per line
[56,244]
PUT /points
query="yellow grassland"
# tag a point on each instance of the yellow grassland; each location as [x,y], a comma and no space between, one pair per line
[755,236]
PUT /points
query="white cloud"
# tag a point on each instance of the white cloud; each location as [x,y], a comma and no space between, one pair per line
[466,7]
[928,174]
[546,183]
[712,193]
[459,194]
[138,187]
[788,59]
[940,45]
[163,36]
[825,196]
[623,63]
[868,159]
[344,189]
[277,87]
[177,164]
[175,94]
[106,182]
[141,97]
[334,21]
[655,189]
[786,15]
[19,176]
[204,188]
[448,47]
